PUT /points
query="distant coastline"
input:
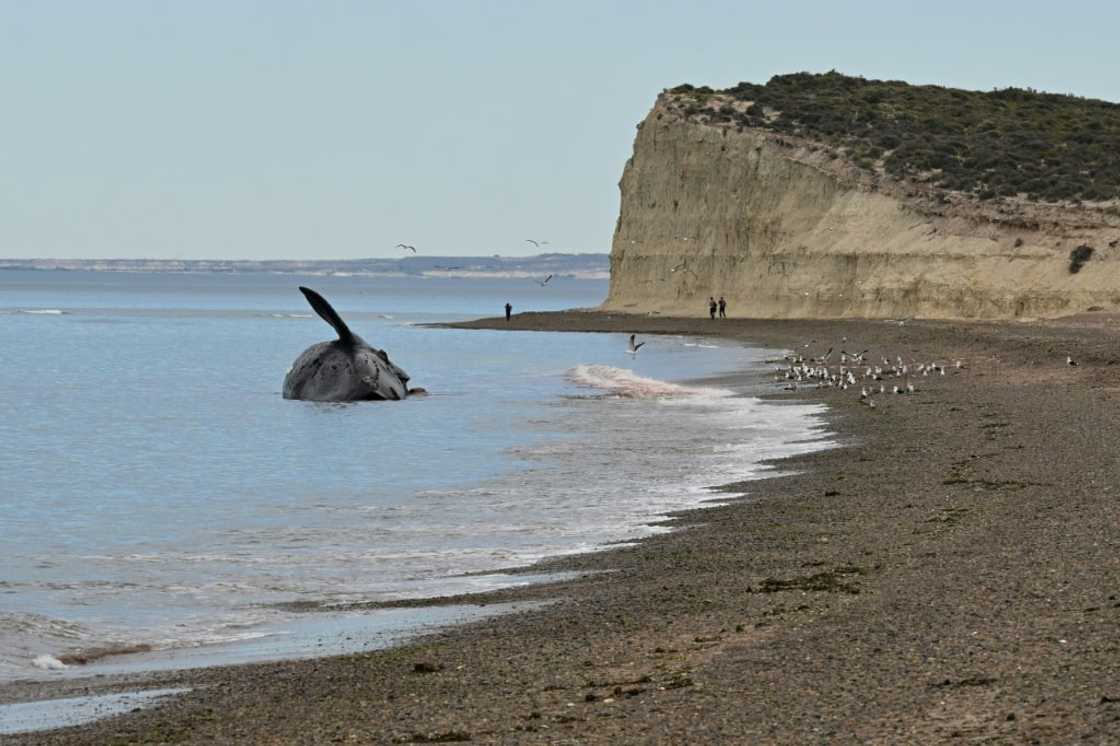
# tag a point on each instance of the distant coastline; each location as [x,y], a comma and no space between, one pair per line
[578,266]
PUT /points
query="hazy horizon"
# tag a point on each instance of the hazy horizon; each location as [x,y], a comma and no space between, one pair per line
[321,259]
[294,131]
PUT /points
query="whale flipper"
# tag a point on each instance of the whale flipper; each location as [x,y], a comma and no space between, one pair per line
[328,314]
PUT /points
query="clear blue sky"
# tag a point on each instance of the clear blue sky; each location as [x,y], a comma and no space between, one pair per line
[219,128]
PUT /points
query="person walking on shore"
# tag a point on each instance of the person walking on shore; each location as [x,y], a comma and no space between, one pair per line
[722,308]
[509,310]
[711,306]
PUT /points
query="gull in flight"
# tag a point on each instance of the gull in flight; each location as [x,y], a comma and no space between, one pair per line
[543,282]
[633,346]
[538,244]
[407,247]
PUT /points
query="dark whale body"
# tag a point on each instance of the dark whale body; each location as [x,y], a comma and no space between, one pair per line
[345,369]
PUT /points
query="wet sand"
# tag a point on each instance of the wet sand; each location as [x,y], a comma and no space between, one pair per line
[951,573]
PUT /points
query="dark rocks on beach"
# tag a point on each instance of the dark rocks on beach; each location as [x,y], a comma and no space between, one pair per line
[451,736]
[970,681]
[827,582]
[426,667]
[679,682]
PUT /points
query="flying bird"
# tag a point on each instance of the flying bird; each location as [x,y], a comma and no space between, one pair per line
[406,247]
[633,347]
[543,282]
[538,244]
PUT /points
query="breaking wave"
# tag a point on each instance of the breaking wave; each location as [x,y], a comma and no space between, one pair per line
[627,384]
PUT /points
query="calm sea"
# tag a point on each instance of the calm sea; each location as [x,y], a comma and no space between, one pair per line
[156,489]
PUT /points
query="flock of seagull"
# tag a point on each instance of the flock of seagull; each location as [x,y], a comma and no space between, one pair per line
[851,369]
[856,369]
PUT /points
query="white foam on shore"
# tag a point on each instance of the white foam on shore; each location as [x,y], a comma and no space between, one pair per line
[34,645]
[43,311]
[629,385]
[47,663]
[662,447]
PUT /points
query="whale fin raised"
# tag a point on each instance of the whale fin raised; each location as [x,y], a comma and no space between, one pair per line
[328,314]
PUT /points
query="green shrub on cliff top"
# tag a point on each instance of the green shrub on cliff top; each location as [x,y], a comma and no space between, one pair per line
[996,143]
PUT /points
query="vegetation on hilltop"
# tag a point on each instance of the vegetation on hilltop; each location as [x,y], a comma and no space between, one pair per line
[1004,142]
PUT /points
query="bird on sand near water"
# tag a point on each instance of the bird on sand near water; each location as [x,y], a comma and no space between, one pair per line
[856,370]
[633,346]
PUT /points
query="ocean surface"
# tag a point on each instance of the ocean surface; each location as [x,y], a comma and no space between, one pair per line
[156,490]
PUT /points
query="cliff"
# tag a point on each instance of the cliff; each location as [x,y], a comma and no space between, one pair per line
[784,222]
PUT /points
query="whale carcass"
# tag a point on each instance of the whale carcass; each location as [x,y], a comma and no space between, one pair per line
[343,369]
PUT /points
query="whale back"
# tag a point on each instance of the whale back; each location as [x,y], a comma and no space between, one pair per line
[344,369]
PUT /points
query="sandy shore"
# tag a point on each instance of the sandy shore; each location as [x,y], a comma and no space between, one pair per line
[951,573]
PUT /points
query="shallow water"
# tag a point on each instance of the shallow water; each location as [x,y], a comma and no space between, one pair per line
[48,714]
[158,490]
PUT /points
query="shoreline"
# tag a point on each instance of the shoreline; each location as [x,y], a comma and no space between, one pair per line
[319,629]
[946,570]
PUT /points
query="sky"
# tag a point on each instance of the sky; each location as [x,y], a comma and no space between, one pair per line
[320,130]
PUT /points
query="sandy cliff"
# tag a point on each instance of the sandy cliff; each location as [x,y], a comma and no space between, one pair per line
[787,227]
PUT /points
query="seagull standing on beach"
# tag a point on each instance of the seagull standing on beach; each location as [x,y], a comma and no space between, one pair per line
[407,247]
[633,346]
[1071,362]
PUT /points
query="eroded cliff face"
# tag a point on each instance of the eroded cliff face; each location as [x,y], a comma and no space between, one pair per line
[789,228]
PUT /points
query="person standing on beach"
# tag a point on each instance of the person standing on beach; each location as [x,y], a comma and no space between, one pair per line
[711,306]
[509,310]
[722,308]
